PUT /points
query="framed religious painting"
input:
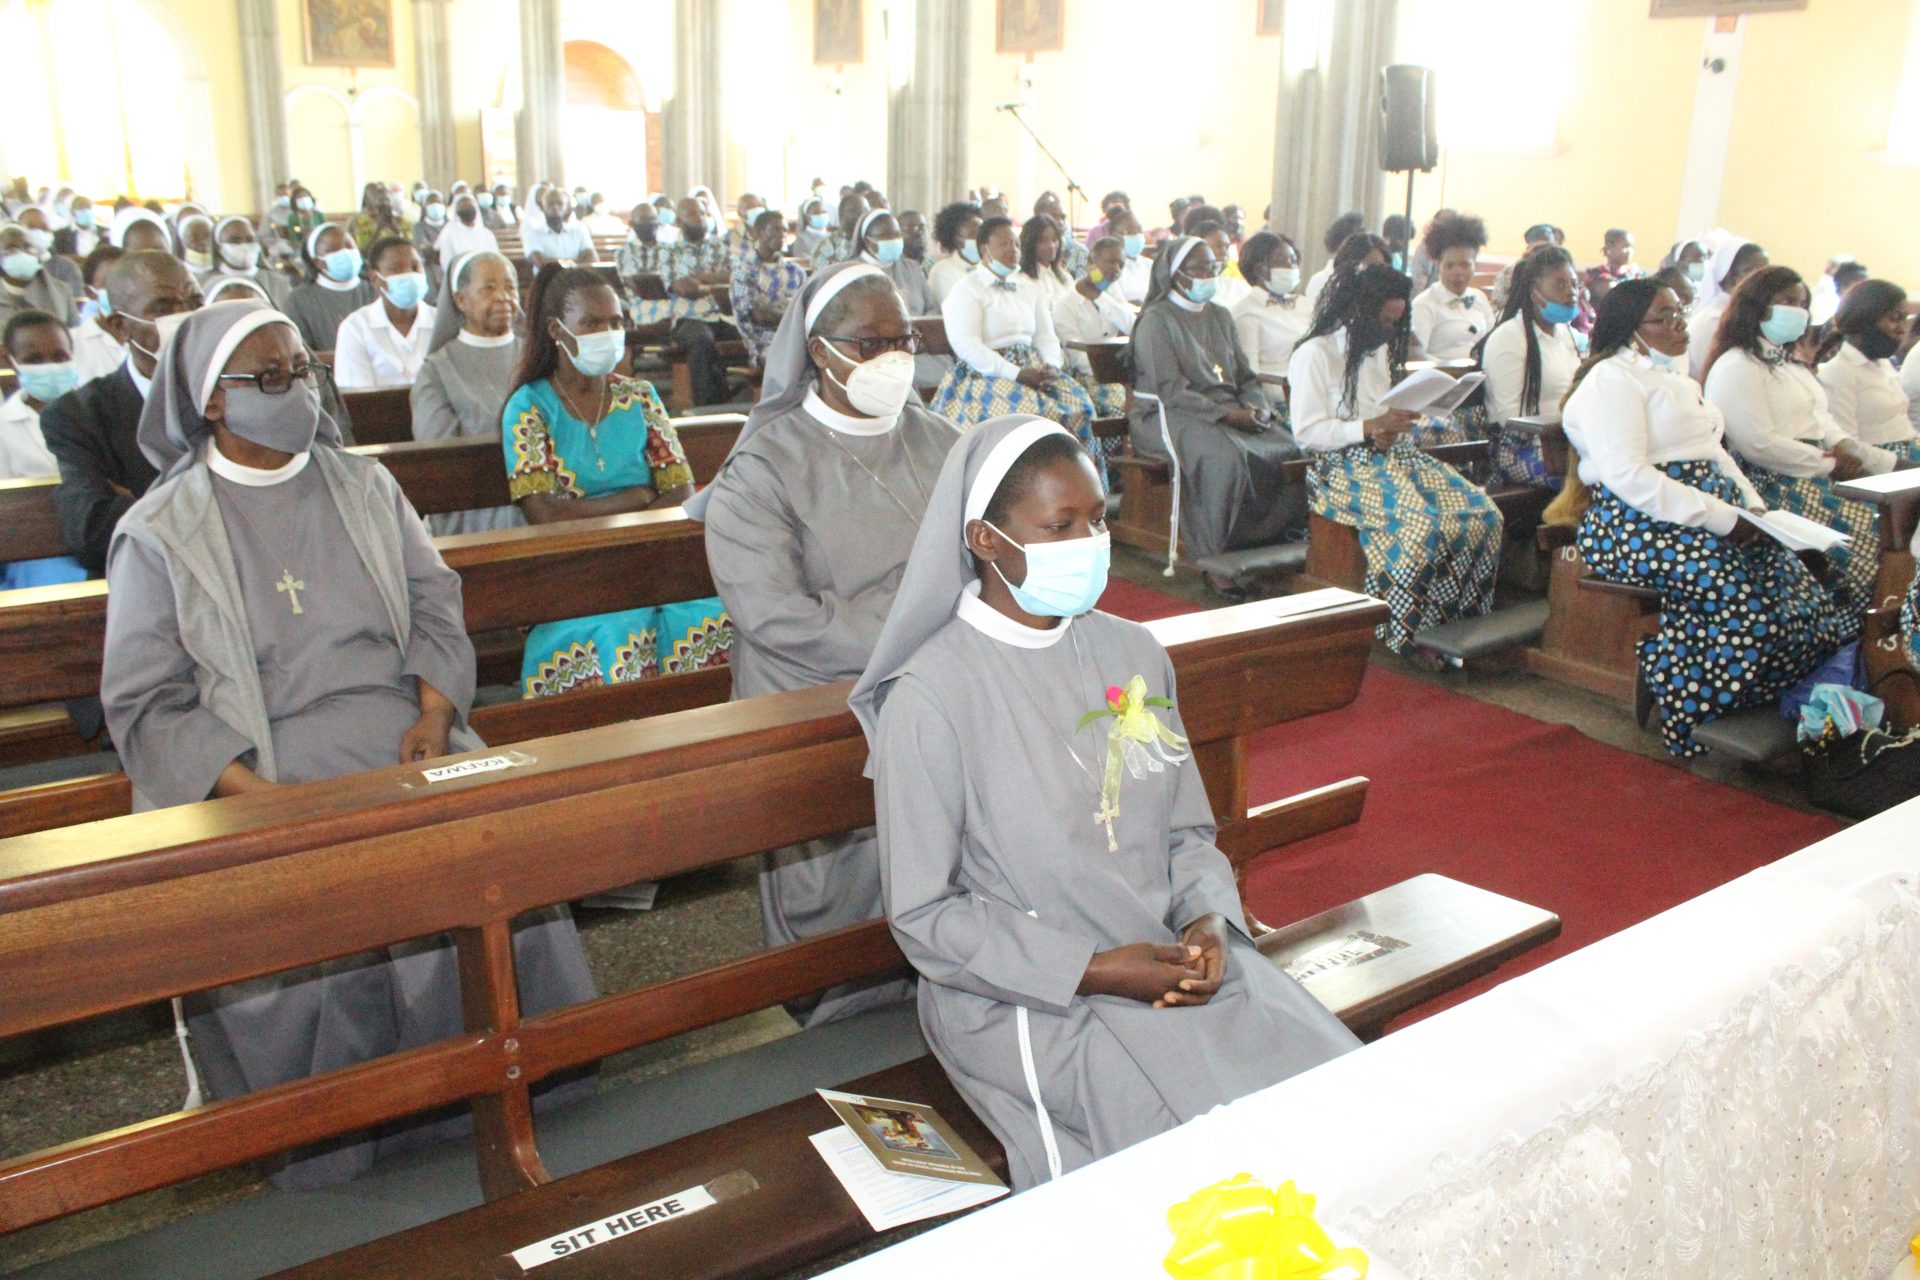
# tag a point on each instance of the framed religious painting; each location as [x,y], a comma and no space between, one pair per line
[347,33]
[1029,26]
[1721,8]
[838,37]
[1269,17]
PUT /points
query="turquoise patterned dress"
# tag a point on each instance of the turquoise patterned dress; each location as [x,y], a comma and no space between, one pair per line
[548,450]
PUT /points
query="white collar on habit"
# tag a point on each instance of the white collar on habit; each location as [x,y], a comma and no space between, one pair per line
[252,477]
[473,339]
[995,625]
[1185,303]
[338,286]
[846,424]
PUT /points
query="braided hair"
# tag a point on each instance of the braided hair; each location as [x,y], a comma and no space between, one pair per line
[1537,262]
[1352,302]
[1353,251]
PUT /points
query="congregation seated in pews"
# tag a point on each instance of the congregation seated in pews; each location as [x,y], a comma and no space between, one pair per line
[402,659]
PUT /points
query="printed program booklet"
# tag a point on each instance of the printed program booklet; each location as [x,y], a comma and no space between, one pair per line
[1431,392]
[901,1161]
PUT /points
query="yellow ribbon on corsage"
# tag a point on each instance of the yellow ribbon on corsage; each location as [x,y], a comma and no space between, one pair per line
[1240,1229]
[1137,742]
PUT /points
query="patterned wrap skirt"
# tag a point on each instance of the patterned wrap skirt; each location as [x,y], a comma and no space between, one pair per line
[1517,460]
[1854,566]
[1905,450]
[1737,624]
[1432,538]
[968,397]
[1910,621]
[624,646]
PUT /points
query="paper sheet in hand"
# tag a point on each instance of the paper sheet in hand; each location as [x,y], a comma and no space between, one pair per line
[1430,391]
[889,1200]
[1796,533]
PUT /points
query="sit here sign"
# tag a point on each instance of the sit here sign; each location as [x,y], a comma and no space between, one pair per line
[629,1222]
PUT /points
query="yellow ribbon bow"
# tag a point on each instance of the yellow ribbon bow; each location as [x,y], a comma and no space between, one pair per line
[1240,1229]
[1135,729]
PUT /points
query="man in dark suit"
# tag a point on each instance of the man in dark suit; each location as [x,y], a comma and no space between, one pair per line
[92,430]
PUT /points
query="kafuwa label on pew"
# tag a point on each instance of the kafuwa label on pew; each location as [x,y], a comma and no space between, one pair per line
[467,768]
[630,1222]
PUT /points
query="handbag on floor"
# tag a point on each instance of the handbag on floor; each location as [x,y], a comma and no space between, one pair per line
[1861,773]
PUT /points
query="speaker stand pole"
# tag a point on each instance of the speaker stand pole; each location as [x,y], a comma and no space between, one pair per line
[1409,198]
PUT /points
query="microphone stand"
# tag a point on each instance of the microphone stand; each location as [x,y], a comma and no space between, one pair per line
[1075,192]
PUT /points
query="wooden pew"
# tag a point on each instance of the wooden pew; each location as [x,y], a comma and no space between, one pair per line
[384,416]
[1882,646]
[1594,627]
[29,523]
[112,916]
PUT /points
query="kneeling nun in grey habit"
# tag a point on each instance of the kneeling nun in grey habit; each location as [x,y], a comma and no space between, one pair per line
[1086,979]
[295,621]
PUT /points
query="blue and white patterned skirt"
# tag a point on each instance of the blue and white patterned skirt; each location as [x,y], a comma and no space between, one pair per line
[624,646]
[968,397]
[1432,538]
[1737,624]
[1854,566]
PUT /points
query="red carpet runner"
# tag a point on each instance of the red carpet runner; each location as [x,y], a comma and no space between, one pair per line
[1532,810]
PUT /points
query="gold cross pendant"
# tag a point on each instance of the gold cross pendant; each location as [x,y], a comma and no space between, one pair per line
[293,587]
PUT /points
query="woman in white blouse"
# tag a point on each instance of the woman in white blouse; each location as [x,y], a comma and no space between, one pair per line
[1530,359]
[1862,387]
[1273,316]
[954,229]
[1091,311]
[464,232]
[1657,500]
[1432,538]
[383,343]
[1450,316]
[1779,428]
[1007,357]
[1040,259]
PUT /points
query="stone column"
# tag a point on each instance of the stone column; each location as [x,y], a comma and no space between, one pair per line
[433,68]
[543,92]
[694,150]
[927,117]
[259,24]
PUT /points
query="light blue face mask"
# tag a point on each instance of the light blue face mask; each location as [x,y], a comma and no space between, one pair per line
[887,252]
[341,264]
[665,215]
[999,268]
[484,200]
[1559,312]
[1696,271]
[1399,262]
[83,218]
[1785,325]
[44,382]
[1064,579]
[1134,245]
[818,221]
[598,352]
[1661,360]
[1203,289]
[405,290]
[969,251]
[21,265]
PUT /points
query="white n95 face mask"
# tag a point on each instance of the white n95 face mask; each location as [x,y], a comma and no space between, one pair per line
[878,387]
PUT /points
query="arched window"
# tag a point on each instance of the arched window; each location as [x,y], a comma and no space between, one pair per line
[110,85]
[610,137]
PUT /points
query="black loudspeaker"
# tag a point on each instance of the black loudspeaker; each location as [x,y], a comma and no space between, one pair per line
[1409,137]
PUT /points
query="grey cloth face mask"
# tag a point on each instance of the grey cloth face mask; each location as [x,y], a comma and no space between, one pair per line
[286,423]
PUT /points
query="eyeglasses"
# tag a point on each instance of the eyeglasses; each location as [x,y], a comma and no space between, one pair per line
[277,382]
[1671,320]
[868,348]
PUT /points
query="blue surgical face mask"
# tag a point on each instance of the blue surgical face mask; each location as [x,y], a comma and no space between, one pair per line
[1784,325]
[1134,245]
[999,268]
[598,352]
[405,290]
[303,203]
[484,200]
[83,218]
[818,221]
[666,216]
[44,382]
[1064,579]
[1559,312]
[1202,290]
[436,212]
[1661,360]
[1399,262]
[969,251]
[341,264]
[21,265]
[1696,271]
[887,252]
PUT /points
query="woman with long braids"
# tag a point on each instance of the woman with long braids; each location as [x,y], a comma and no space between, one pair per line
[583,441]
[1530,359]
[1657,501]
[1781,431]
[1432,538]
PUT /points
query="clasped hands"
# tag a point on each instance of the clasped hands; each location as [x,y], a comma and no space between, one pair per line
[1160,975]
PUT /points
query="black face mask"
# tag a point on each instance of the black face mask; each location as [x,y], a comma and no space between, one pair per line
[1874,344]
[1369,334]
[556,220]
[467,215]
